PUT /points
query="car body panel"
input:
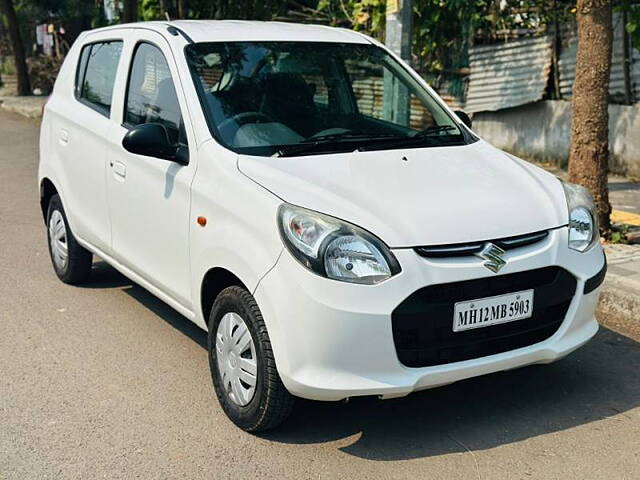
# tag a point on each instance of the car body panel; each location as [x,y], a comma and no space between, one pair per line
[351,350]
[75,156]
[240,235]
[149,199]
[405,196]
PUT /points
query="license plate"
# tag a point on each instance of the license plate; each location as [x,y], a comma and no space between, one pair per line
[487,311]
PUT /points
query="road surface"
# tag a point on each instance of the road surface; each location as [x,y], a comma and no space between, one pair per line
[105,381]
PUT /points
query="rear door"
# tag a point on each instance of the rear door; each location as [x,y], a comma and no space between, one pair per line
[149,198]
[80,126]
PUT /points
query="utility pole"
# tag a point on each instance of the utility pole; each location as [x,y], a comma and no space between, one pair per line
[398,37]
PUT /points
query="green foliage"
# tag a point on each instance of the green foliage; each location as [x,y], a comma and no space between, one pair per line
[43,72]
[7,66]
[619,233]
[367,16]
[442,32]
[444,29]
[633,21]
[150,10]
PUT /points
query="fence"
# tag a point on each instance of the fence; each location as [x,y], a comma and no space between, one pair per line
[519,72]
[509,74]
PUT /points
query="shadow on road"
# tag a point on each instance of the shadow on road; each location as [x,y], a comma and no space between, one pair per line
[104,275]
[600,380]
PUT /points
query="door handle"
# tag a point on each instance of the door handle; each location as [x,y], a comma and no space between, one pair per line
[119,169]
[64,136]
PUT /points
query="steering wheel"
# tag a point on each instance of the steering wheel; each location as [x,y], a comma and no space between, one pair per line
[226,127]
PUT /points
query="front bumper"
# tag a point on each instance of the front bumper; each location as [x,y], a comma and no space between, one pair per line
[333,340]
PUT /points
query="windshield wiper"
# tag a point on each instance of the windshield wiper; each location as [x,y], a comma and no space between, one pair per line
[321,142]
[379,139]
[353,136]
[428,137]
[434,129]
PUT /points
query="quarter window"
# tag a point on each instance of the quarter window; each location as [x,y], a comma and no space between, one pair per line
[96,74]
[151,94]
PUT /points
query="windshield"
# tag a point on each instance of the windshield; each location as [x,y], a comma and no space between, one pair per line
[302,98]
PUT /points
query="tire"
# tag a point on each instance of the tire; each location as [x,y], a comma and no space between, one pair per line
[269,404]
[71,261]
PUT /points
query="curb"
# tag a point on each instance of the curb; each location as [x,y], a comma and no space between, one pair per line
[30,107]
[619,306]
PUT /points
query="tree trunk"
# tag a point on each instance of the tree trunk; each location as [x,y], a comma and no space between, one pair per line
[183,9]
[82,20]
[24,86]
[589,156]
[130,11]
[169,11]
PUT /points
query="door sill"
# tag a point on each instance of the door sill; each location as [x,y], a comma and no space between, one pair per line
[134,277]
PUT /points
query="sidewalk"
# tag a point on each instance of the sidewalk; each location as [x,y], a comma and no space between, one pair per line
[620,297]
[619,306]
[624,195]
[30,107]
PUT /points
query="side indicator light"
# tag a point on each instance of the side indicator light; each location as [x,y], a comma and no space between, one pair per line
[202,221]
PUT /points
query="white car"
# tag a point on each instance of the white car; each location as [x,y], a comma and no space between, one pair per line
[304,196]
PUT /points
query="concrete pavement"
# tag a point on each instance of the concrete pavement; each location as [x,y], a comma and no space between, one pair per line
[620,297]
[30,107]
[105,381]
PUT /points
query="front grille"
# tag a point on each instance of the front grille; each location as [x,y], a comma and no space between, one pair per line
[462,249]
[423,323]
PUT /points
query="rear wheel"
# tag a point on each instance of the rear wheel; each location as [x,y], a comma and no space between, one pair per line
[243,369]
[71,261]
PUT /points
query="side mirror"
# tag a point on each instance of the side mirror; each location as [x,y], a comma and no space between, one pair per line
[466,119]
[152,140]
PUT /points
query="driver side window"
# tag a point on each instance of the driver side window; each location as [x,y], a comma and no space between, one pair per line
[151,94]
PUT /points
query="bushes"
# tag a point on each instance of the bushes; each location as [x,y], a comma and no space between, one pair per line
[43,71]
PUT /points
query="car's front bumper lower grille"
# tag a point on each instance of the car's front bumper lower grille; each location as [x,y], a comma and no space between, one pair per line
[423,323]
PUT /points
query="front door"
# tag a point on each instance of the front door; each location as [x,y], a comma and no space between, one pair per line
[149,198]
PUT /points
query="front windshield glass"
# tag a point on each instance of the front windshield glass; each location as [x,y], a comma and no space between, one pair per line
[304,98]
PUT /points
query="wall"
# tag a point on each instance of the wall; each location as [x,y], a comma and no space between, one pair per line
[542,131]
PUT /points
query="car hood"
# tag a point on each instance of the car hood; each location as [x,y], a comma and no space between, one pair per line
[426,196]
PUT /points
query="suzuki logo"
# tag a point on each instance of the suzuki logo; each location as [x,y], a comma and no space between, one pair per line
[493,256]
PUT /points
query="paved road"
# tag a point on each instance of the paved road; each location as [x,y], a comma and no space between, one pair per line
[624,194]
[104,381]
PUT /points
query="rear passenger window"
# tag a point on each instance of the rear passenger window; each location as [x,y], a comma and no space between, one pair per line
[96,74]
[151,95]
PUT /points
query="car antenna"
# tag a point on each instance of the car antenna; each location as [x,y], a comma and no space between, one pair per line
[175,31]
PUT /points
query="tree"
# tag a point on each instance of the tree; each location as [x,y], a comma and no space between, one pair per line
[183,9]
[24,87]
[589,155]
[130,11]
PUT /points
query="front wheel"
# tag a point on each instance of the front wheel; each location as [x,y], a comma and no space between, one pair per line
[243,368]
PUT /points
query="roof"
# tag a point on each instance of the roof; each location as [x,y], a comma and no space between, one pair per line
[245,30]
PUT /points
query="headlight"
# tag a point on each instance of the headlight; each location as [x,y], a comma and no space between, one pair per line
[333,248]
[583,224]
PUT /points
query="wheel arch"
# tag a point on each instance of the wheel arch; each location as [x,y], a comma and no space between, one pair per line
[47,191]
[214,281]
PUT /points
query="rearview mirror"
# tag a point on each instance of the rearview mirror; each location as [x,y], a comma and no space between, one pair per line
[152,140]
[466,119]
